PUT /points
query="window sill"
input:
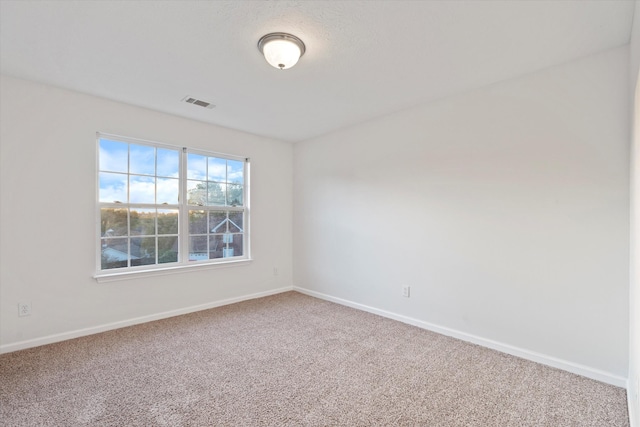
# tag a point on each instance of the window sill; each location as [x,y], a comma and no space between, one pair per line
[163,271]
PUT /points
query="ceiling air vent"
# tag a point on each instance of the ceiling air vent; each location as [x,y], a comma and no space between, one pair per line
[198,102]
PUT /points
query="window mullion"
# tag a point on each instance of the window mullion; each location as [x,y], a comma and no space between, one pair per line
[246,242]
[128,206]
[183,209]
[128,234]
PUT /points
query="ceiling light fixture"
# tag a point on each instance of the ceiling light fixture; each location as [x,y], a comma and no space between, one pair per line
[281,50]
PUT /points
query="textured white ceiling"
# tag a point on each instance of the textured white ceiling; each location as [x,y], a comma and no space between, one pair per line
[364,59]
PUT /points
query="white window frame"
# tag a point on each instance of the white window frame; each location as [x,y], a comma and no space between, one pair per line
[183,216]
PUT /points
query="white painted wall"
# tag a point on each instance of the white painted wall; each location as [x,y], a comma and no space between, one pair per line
[47,178]
[633,392]
[634,283]
[505,209]
[634,44]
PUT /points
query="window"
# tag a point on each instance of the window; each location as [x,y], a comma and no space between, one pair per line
[163,206]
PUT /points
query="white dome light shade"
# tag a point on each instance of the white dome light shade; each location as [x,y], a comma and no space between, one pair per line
[281,50]
[281,53]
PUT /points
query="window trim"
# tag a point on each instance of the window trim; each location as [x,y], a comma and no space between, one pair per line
[183,263]
[165,271]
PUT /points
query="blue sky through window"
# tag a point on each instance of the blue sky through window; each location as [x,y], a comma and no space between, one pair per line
[134,173]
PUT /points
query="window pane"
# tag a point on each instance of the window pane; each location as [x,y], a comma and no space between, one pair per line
[167,191]
[142,189]
[167,249]
[113,187]
[197,193]
[235,171]
[142,159]
[198,248]
[196,167]
[216,246]
[113,222]
[216,194]
[237,245]
[143,222]
[234,195]
[167,221]
[217,169]
[114,156]
[197,222]
[168,163]
[143,251]
[115,253]
[236,222]
[218,222]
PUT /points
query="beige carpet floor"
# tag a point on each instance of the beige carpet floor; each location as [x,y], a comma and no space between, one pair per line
[291,360]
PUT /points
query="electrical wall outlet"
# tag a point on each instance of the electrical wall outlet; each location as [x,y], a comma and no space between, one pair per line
[24,309]
[406,291]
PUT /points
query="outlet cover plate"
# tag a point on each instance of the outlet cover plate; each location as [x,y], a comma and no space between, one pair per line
[406,291]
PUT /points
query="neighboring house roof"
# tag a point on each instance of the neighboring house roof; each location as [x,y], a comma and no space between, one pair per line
[114,255]
[117,248]
[225,221]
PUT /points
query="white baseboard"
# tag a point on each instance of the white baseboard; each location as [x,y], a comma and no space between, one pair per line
[554,362]
[49,339]
[575,368]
